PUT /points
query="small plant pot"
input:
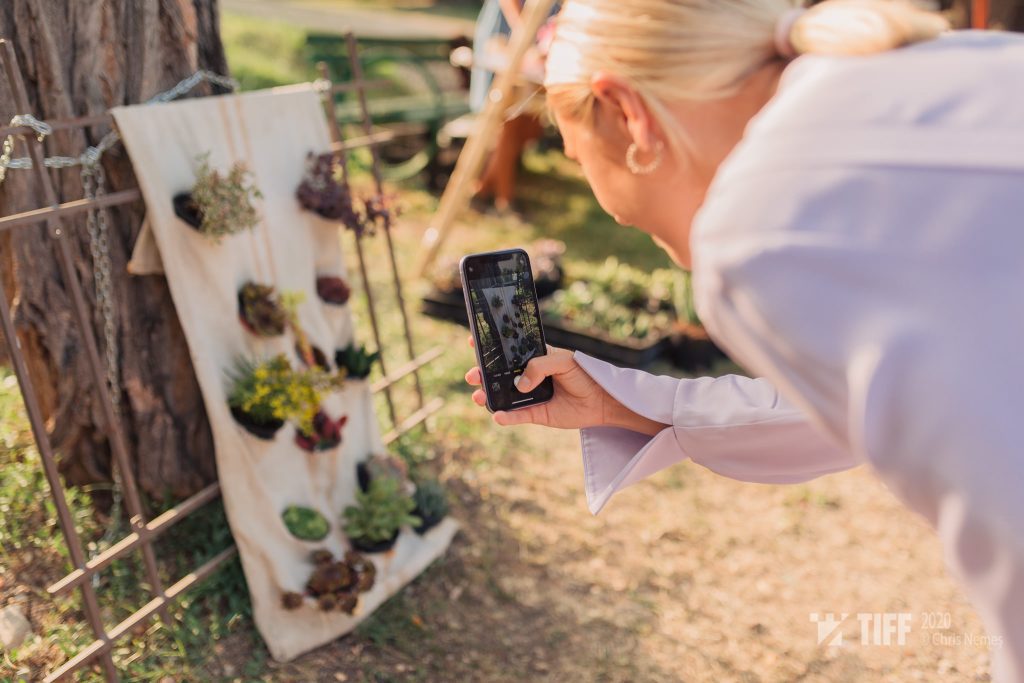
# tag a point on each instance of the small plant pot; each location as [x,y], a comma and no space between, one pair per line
[358,365]
[333,290]
[261,430]
[273,325]
[692,349]
[363,476]
[315,444]
[186,210]
[427,524]
[365,546]
[327,434]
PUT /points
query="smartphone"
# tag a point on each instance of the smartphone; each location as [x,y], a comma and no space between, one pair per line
[504,317]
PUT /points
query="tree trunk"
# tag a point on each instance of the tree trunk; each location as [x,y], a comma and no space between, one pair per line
[77,58]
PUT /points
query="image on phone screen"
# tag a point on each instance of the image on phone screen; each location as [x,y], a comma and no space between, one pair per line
[506,324]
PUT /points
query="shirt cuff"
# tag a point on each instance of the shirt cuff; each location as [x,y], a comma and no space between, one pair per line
[614,458]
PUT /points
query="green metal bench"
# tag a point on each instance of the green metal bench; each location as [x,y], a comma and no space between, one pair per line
[423,92]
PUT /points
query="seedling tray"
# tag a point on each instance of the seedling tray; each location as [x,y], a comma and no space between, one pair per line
[452,307]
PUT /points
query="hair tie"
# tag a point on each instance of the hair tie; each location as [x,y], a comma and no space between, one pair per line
[783,29]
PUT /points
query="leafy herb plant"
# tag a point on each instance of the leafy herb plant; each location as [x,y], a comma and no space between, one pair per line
[379,513]
[219,204]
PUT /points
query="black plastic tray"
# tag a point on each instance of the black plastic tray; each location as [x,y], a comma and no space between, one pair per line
[452,307]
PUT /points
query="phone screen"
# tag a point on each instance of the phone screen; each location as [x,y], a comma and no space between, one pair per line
[502,303]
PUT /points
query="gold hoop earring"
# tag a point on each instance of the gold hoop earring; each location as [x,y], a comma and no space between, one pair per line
[643,169]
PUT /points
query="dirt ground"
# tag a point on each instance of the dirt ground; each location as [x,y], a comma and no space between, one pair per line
[685,577]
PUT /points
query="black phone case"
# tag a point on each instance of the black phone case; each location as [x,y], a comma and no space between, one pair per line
[472,318]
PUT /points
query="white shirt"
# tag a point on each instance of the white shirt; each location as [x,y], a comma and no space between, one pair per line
[862,250]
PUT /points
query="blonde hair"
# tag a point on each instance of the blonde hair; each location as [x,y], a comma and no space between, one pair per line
[675,50]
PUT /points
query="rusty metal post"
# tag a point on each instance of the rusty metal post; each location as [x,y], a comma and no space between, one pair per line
[332,123]
[357,74]
[35,418]
[81,313]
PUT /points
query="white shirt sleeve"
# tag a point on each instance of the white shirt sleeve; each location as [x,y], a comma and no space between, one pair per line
[736,426]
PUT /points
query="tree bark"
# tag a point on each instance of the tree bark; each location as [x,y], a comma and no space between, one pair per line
[78,58]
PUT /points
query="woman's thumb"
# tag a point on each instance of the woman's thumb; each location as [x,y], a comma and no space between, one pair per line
[556,361]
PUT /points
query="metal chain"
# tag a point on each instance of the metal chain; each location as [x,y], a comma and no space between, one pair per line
[41,128]
[93,186]
[92,154]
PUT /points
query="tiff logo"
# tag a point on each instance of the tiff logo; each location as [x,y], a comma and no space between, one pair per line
[876,628]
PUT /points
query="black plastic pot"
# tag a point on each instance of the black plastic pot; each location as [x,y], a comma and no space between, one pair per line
[339,361]
[692,348]
[363,477]
[261,430]
[427,524]
[186,209]
[374,546]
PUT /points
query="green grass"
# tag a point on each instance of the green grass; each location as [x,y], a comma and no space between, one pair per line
[33,553]
[554,202]
[264,54]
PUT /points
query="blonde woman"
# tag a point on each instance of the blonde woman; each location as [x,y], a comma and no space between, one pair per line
[847,184]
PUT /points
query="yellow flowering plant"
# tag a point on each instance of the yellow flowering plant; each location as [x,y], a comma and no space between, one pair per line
[272,389]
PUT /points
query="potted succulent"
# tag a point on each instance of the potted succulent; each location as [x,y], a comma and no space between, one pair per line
[431,505]
[324,189]
[219,204]
[372,525]
[325,434]
[335,585]
[356,361]
[305,523]
[263,394]
[260,310]
[333,290]
[382,466]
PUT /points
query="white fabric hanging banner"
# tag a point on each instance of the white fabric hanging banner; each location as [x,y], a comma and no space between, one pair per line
[271,132]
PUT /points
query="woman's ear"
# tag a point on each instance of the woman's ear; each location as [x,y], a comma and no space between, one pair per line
[625,105]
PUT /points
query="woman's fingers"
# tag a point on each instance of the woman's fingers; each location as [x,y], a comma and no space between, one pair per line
[473,377]
[472,344]
[507,418]
[479,397]
[555,362]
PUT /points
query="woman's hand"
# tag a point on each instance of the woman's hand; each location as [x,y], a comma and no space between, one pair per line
[578,402]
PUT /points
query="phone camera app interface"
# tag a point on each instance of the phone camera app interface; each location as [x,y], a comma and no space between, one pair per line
[507,323]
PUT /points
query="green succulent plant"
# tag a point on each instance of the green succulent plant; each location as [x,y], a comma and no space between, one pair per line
[356,360]
[431,500]
[261,309]
[380,512]
[305,523]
